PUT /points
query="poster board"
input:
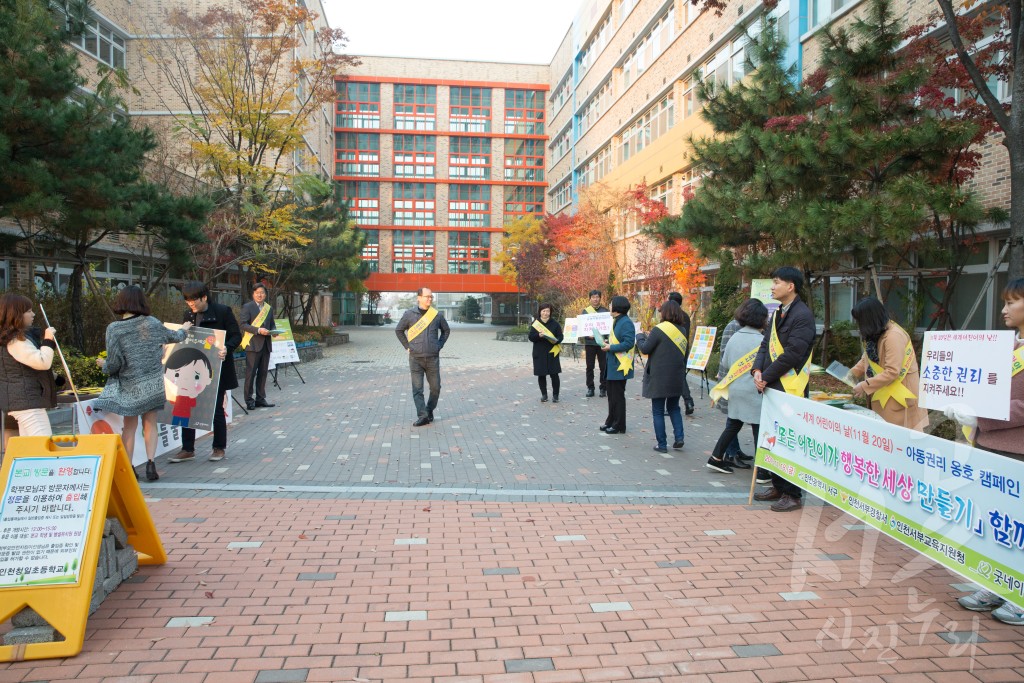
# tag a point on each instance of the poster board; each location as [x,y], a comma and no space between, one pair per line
[594,322]
[956,505]
[51,534]
[762,291]
[283,349]
[191,376]
[700,349]
[968,369]
[570,331]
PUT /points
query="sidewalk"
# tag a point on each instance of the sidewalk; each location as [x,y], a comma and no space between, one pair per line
[558,560]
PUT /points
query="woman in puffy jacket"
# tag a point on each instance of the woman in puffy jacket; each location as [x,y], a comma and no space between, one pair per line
[27,389]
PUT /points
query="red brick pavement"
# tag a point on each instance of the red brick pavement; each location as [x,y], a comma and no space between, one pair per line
[876,616]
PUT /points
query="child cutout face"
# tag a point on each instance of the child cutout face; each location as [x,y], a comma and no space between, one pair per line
[190,380]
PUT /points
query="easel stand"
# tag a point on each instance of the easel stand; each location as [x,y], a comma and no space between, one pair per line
[238,403]
[704,382]
[293,366]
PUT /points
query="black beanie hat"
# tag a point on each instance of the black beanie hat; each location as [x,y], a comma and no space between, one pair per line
[620,304]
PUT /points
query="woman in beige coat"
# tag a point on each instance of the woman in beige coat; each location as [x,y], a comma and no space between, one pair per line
[889,367]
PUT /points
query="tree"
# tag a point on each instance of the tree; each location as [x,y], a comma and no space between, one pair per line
[470,309]
[583,245]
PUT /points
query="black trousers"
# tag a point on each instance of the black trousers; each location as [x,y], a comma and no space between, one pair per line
[542,381]
[687,396]
[602,361]
[257,367]
[220,427]
[786,488]
[731,431]
[616,404]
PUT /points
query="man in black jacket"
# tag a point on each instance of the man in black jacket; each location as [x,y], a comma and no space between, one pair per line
[205,313]
[592,350]
[687,396]
[794,330]
[423,332]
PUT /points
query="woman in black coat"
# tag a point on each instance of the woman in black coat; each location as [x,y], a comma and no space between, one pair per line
[546,335]
[665,374]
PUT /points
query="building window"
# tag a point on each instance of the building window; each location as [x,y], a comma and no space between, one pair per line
[727,65]
[371,250]
[561,195]
[469,158]
[603,163]
[649,49]
[662,192]
[689,97]
[415,107]
[595,107]
[357,154]
[524,160]
[688,185]
[524,112]
[469,253]
[363,201]
[589,54]
[561,96]
[415,156]
[413,251]
[469,206]
[414,203]
[470,110]
[650,126]
[102,41]
[358,105]
[822,10]
[625,8]
[523,201]
[560,145]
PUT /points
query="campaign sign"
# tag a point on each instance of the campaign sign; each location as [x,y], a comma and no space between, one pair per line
[762,291]
[958,506]
[283,349]
[191,377]
[570,331]
[700,350]
[591,322]
[970,370]
[44,519]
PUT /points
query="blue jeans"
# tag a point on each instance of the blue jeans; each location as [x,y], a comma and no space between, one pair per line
[658,406]
[429,366]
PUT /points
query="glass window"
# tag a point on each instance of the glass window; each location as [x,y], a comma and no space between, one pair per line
[413,251]
[102,41]
[524,160]
[371,250]
[521,201]
[357,154]
[469,206]
[414,204]
[415,107]
[469,253]
[470,110]
[647,128]
[414,156]
[363,201]
[469,158]
[358,105]
[524,112]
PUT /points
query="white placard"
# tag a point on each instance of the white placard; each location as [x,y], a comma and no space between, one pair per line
[700,349]
[588,322]
[570,331]
[283,349]
[970,370]
[44,518]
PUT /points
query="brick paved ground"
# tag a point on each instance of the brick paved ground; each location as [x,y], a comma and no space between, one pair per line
[325,549]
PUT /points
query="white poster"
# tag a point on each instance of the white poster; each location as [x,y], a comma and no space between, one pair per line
[283,349]
[588,322]
[700,350]
[968,369]
[44,517]
[570,331]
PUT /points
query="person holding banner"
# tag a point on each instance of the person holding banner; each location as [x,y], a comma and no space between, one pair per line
[665,374]
[592,350]
[27,387]
[685,327]
[546,335]
[135,369]
[889,367]
[783,363]
[619,350]
[737,385]
[423,332]
[1003,437]
[257,322]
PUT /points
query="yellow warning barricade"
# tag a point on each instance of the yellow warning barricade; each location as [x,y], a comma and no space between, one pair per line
[57,494]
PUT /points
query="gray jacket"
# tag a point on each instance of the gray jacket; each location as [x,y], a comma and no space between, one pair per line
[430,341]
[744,400]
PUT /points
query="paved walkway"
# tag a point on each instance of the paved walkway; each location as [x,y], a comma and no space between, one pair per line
[509,541]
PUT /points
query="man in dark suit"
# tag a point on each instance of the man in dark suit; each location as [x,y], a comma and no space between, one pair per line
[257,353]
[592,350]
[205,313]
[794,329]
[687,396]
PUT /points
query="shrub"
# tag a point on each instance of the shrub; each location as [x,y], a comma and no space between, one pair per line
[842,345]
[84,371]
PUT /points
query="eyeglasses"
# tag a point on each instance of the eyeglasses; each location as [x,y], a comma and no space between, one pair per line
[425,296]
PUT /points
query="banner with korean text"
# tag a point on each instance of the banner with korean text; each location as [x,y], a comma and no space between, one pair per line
[957,505]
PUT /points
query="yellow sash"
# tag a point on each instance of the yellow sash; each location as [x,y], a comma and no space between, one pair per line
[793,382]
[895,389]
[1016,366]
[257,323]
[590,309]
[546,333]
[421,324]
[625,358]
[673,333]
[739,368]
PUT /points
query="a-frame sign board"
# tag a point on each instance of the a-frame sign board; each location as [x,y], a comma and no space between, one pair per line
[57,494]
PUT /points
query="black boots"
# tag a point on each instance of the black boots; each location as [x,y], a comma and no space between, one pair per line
[689,405]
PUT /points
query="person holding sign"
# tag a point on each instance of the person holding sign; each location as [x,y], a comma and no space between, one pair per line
[257,322]
[546,335]
[619,349]
[134,363]
[423,332]
[685,327]
[737,385]
[889,367]
[1004,437]
[27,388]
[592,349]
[783,363]
[665,374]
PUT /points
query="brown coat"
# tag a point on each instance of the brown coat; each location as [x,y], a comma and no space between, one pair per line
[890,356]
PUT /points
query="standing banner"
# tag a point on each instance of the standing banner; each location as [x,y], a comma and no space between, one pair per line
[762,291]
[967,369]
[957,505]
[700,350]
[283,350]
[191,377]
[589,323]
[570,331]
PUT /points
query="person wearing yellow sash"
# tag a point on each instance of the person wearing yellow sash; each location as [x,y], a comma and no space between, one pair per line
[665,373]
[423,332]
[619,349]
[1003,437]
[685,327]
[782,363]
[257,321]
[592,350]
[737,385]
[546,335]
[888,366]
